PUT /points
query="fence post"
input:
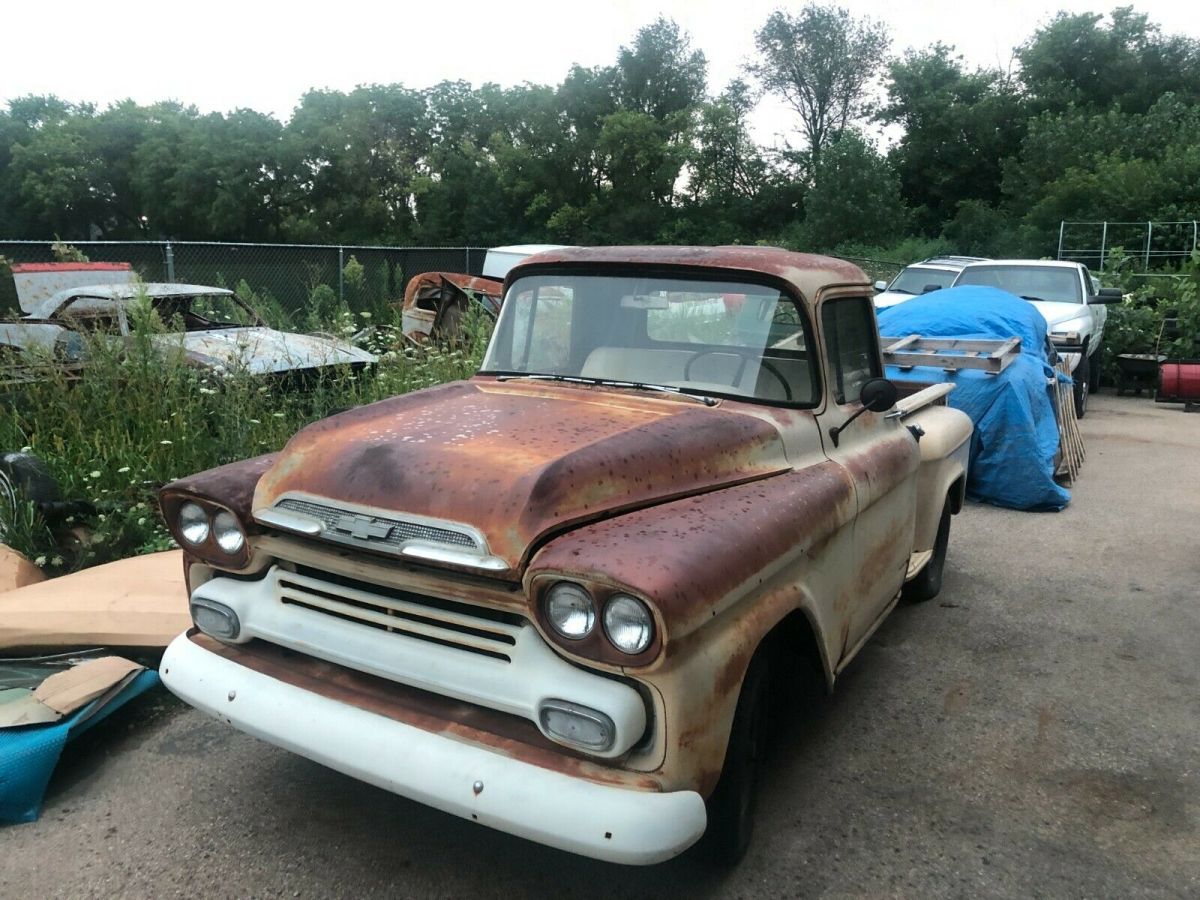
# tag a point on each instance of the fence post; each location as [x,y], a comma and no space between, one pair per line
[1103,244]
[1062,224]
[341,277]
[1146,261]
[170,263]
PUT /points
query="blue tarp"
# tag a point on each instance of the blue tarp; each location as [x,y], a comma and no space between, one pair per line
[29,753]
[1016,433]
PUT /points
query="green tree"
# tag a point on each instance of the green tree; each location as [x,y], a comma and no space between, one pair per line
[821,62]
[350,161]
[959,127]
[1077,60]
[856,198]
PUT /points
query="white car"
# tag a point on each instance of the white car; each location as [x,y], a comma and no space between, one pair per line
[1071,301]
[921,278]
[212,326]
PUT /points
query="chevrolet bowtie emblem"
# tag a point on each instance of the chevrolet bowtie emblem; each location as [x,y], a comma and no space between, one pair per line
[363,528]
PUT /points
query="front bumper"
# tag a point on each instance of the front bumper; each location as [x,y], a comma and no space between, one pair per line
[602,821]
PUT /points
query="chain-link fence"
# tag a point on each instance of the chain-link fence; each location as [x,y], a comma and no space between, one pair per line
[284,280]
[877,269]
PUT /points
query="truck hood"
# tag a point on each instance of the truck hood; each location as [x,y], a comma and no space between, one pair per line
[513,462]
[1055,312]
[262,351]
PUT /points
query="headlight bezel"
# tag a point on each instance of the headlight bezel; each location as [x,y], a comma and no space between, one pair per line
[208,550]
[596,646]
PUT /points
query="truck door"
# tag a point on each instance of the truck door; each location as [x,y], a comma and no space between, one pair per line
[881,457]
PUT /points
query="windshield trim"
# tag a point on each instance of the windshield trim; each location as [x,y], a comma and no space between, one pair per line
[697,273]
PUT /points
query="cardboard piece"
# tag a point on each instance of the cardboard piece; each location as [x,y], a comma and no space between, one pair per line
[138,602]
[16,571]
[65,692]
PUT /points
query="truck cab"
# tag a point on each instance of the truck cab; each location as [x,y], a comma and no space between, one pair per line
[553,599]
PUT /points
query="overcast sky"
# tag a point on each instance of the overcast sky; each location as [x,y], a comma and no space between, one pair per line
[220,55]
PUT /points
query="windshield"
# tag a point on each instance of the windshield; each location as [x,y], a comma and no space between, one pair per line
[1031,282]
[914,279]
[705,337]
[205,312]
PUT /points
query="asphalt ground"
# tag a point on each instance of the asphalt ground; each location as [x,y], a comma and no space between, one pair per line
[1034,731]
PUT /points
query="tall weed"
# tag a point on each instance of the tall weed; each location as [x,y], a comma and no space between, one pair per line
[138,416]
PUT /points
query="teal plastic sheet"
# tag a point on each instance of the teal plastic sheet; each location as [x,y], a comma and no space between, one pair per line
[29,753]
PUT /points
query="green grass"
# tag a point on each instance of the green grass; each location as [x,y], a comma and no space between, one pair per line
[138,418]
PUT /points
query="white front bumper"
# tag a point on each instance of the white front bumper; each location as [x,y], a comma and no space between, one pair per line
[605,822]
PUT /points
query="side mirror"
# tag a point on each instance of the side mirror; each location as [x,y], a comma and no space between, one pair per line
[879,395]
[930,288]
[881,285]
[1108,295]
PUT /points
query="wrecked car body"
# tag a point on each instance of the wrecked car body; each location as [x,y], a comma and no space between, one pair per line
[686,474]
[435,302]
[211,326]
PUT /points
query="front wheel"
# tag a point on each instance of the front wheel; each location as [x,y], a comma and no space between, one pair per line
[1082,378]
[928,583]
[731,806]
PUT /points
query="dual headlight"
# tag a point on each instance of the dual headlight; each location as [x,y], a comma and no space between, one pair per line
[626,621]
[196,525]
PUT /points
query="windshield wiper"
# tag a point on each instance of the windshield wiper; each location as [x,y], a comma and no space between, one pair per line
[648,386]
[899,290]
[1034,299]
[609,382]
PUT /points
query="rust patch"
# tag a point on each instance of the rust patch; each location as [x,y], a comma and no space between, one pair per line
[428,296]
[540,459]
[231,486]
[678,553]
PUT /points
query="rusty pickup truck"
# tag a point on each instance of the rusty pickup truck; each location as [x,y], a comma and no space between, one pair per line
[555,598]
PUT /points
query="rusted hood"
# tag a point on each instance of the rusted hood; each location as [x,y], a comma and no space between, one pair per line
[520,460]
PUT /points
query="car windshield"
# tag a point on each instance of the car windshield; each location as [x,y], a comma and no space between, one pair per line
[1054,283]
[204,312]
[914,279]
[703,337]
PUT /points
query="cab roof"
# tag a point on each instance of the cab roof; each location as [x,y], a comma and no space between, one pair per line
[806,272]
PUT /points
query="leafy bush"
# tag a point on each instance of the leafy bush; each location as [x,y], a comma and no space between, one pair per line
[1135,325]
[139,416]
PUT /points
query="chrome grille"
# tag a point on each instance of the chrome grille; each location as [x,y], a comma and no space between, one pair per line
[460,626]
[389,532]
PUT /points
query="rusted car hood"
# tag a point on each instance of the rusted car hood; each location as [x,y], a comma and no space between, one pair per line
[520,460]
[261,351]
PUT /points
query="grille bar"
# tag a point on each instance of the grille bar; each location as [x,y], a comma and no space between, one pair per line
[413,619]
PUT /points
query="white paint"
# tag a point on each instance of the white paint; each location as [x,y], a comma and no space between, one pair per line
[601,821]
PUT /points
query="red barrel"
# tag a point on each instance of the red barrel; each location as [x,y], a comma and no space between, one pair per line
[1179,381]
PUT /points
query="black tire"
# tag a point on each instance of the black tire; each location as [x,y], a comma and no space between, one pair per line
[732,805]
[928,583]
[1096,369]
[23,479]
[1082,387]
